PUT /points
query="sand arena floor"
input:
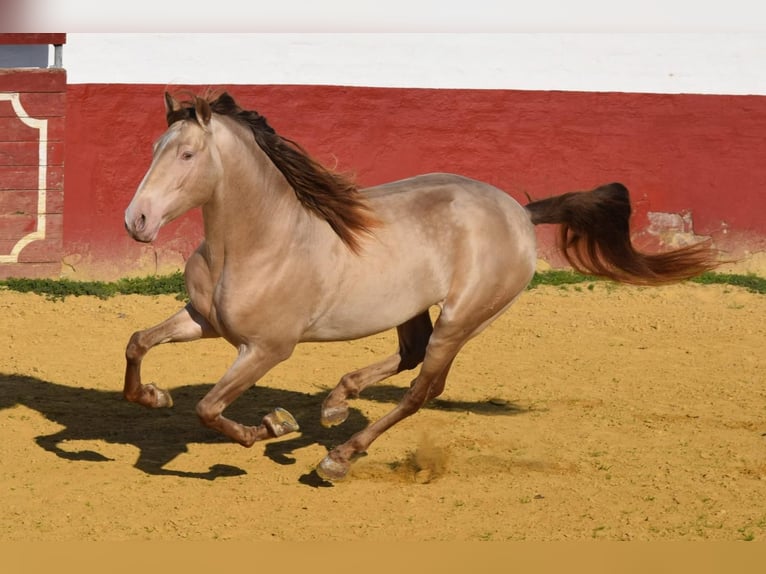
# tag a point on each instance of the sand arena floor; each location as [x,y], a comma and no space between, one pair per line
[587,412]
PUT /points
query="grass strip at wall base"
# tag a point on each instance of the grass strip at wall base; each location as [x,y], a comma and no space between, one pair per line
[173,284]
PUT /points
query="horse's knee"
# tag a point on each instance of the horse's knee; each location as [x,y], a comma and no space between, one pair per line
[415,397]
[422,393]
[206,413]
[435,390]
[134,350]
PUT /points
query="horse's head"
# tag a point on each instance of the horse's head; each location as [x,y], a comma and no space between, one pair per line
[184,170]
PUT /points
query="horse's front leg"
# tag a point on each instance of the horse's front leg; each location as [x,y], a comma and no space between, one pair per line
[251,364]
[186,325]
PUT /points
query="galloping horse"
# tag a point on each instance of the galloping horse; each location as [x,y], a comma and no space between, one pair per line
[296,252]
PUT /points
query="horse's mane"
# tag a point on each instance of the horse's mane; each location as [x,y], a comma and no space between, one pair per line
[333,196]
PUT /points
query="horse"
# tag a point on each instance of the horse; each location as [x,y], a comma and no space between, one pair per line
[294,251]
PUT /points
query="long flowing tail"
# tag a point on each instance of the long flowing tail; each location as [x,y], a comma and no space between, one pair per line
[595,239]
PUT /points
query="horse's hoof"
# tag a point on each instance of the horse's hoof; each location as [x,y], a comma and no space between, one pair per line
[161,397]
[332,416]
[280,422]
[332,470]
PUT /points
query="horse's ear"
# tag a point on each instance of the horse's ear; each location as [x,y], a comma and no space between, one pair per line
[226,99]
[171,104]
[171,107]
[203,112]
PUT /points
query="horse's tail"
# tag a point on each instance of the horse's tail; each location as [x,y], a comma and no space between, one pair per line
[595,239]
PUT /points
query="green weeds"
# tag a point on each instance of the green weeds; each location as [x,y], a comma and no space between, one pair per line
[750,281]
[58,289]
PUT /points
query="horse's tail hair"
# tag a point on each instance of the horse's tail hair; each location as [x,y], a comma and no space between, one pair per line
[594,237]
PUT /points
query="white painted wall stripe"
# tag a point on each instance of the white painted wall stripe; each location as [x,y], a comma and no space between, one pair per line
[42,176]
[703,63]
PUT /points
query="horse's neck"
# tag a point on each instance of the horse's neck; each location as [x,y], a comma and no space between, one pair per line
[252,210]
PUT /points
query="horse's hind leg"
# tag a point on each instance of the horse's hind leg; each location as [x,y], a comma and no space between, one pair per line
[453,329]
[413,340]
[186,325]
[446,341]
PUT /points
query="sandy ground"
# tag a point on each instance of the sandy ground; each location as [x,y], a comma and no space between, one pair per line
[588,412]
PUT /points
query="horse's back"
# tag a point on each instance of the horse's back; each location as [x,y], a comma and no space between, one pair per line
[413,189]
[446,207]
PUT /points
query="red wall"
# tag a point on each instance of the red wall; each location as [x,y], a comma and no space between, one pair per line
[42,96]
[676,153]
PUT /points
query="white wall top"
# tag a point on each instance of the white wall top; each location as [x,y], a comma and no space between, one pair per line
[704,63]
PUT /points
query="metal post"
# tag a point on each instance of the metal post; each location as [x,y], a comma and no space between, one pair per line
[58,55]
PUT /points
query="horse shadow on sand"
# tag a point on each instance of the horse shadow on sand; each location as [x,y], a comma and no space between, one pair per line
[163,434]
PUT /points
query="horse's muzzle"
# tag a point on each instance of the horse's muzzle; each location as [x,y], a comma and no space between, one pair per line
[136,228]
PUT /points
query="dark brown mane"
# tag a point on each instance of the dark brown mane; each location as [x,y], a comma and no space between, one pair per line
[332,196]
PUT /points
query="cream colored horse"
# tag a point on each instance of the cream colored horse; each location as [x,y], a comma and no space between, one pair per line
[294,252]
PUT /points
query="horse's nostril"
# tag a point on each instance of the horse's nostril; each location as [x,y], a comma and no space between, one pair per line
[140,222]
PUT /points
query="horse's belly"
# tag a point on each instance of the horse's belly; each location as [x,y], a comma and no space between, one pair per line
[372,307]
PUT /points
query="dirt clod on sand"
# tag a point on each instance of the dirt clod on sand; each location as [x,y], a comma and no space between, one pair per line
[429,461]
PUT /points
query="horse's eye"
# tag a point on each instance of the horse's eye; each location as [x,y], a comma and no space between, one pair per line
[187,155]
